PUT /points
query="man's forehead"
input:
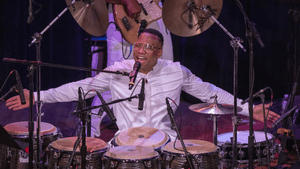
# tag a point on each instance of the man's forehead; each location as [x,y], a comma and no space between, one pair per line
[149,35]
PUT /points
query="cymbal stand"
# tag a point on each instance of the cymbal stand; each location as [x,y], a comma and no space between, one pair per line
[236,44]
[214,118]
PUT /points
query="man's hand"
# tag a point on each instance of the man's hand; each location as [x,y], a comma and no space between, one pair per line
[271,116]
[133,8]
[15,102]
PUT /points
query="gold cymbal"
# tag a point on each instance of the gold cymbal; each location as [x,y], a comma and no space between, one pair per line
[180,21]
[92,16]
[213,108]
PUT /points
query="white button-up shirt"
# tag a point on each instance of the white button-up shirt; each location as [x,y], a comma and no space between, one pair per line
[167,79]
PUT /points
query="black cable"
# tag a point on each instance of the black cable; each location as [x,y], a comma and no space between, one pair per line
[6,79]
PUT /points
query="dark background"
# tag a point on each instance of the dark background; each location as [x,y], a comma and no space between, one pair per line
[208,55]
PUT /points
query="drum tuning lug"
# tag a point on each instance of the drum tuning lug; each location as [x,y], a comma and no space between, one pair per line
[265,151]
[231,154]
[199,159]
[241,154]
[258,153]
[147,164]
[88,157]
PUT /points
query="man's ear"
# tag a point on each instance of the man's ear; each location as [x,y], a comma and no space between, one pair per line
[159,53]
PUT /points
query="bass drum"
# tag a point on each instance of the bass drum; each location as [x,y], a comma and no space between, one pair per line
[59,152]
[131,157]
[205,155]
[142,136]
[14,158]
[259,151]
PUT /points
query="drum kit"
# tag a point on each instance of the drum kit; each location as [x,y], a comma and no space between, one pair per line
[139,147]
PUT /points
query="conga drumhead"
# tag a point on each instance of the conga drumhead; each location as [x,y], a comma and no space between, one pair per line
[142,136]
[242,137]
[21,128]
[67,144]
[192,146]
[131,152]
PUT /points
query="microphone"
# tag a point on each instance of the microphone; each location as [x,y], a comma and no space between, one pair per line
[285,116]
[254,95]
[132,76]
[106,108]
[142,95]
[80,102]
[20,88]
[30,15]
[169,108]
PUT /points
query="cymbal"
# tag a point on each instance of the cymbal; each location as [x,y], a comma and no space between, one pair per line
[213,108]
[91,16]
[176,16]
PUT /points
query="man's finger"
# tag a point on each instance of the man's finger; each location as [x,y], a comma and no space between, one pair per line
[13,106]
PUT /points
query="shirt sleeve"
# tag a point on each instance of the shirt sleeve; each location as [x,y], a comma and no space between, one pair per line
[69,92]
[194,86]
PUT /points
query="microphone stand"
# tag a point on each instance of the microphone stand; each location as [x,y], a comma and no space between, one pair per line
[262,98]
[37,38]
[252,32]
[236,44]
[87,109]
[175,128]
[290,103]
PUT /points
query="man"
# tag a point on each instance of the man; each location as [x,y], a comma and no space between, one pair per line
[163,79]
[118,49]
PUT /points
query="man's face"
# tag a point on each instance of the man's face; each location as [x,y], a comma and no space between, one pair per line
[147,51]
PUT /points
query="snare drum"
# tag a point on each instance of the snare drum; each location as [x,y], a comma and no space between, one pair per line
[260,147]
[60,151]
[142,136]
[14,158]
[205,155]
[131,157]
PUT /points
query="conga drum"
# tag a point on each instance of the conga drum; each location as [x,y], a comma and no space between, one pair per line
[131,157]
[60,151]
[142,136]
[204,155]
[14,158]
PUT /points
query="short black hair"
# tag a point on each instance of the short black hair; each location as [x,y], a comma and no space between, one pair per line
[156,33]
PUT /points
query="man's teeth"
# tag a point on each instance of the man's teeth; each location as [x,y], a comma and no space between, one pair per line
[141,58]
